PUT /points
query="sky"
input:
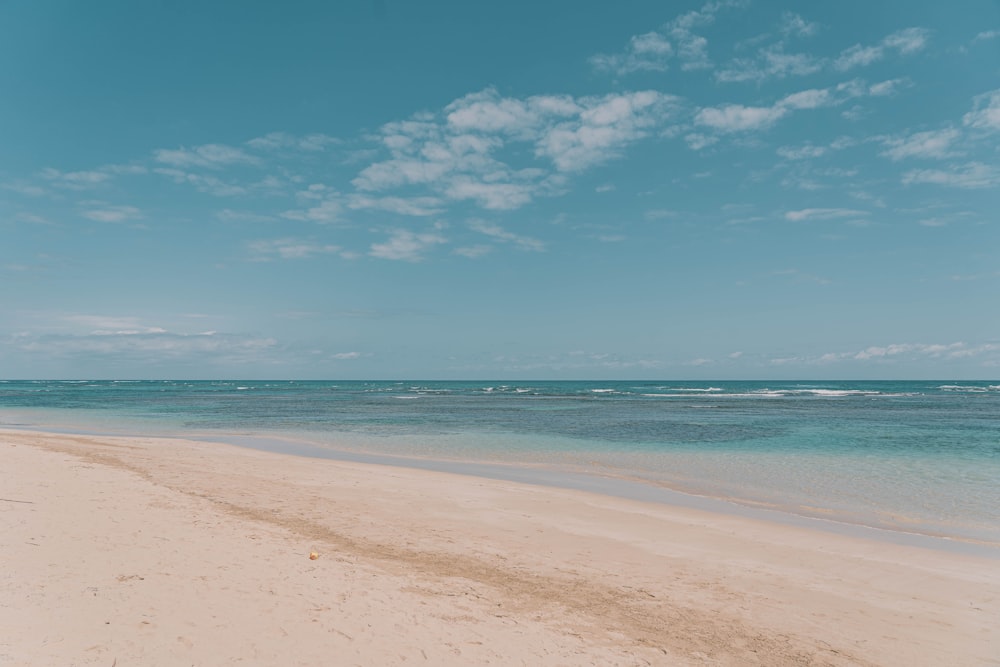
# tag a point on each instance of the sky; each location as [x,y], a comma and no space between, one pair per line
[379,189]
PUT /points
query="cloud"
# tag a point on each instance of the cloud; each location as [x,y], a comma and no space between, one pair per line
[932,350]
[904,42]
[604,126]
[290,248]
[328,209]
[986,34]
[416,206]
[212,156]
[494,196]
[770,62]
[739,118]
[802,152]
[648,52]
[886,88]
[823,214]
[794,25]
[474,251]
[202,183]
[455,153]
[152,347]
[347,355]
[697,141]
[985,114]
[406,245]
[730,118]
[75,180]
[653,51]
[971,175]
[283,140]
[499,233]
[931,144]
[112,213]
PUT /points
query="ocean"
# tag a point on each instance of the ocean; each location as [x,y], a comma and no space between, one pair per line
[911,457]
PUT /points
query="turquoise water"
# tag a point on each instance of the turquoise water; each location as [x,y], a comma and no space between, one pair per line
[921,457]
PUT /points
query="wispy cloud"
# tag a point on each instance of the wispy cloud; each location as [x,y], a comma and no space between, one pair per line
[283,140]
[985,114]
[100,212]
[971,175]
[823,214]
[647,52]
[677,39]
[794,25]
[499,233]
[406,245]
[76,180]
[203,183]
[152,346]
[321,204]
[290,248]
[903,42]
[770,62]
[802,152]
[416,206]
[931,144]
[212,156]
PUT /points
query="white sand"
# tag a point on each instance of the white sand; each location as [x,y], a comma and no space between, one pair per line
[125,551]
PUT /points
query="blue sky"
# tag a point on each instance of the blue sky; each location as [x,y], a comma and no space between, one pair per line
[380,189]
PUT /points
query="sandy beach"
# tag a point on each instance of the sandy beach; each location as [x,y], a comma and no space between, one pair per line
[134,551]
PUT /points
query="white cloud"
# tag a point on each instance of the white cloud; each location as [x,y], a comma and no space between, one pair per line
[696,141]
[497,232]
[648,52]
[207,184]
[213,156]
[986,34]
[934,350]
[289,248]
[283,140]
[347,355]
[151,346]
[802,152]
[454,154]
[104,213]
[739,118]
[474,251]
[653,51]
[971,175]
[807,99]
[406,245]
[328,209]
[985,114]
[931,144]
[823,214]
[75,180]
[602,129]
[416,206]
[795,25]
[907,41]
[771,61]
[886,88]
[493,196]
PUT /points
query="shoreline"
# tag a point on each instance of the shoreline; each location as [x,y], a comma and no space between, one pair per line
[564,477]
[198,553]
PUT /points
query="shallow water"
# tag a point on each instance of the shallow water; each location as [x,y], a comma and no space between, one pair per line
[922,457]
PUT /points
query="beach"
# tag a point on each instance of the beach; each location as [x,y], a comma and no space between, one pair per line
[122,551]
